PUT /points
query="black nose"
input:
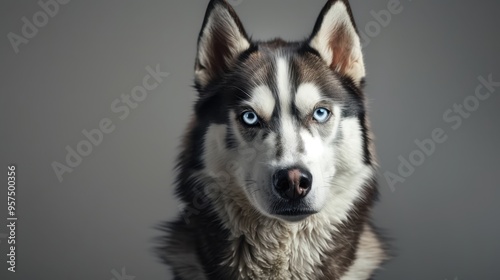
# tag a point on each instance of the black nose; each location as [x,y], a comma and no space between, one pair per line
[292,183]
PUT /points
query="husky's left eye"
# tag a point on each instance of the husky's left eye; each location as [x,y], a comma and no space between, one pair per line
[321,115]
[250,118]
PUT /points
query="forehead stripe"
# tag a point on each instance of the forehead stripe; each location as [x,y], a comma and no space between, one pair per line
[288,136]
[283,81]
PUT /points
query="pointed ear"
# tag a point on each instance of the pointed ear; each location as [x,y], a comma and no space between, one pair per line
[336,39]
[222,39]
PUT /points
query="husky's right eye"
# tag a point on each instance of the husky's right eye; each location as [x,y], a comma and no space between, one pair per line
[321,115]
[250,118]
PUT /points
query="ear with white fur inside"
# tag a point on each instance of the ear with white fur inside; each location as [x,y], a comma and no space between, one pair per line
[337,41]
[222,39]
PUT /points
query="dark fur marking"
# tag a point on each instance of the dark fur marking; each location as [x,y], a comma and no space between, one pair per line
[356,108]
[348,235]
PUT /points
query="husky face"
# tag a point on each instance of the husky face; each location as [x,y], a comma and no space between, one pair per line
[281,124]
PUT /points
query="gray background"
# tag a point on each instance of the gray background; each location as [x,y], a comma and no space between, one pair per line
[443,219]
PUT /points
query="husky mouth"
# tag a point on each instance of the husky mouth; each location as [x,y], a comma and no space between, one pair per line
[292,210]
[295,212]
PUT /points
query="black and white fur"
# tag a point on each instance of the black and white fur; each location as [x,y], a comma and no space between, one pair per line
[235,225]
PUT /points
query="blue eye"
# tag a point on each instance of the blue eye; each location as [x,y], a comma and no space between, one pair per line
[321,115]
[250,118]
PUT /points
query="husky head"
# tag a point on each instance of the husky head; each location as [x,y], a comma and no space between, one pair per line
[280,124]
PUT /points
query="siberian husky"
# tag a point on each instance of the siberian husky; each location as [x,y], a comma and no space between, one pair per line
[277,168]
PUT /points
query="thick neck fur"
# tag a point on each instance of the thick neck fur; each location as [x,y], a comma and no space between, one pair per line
[267,248]
[234,241]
